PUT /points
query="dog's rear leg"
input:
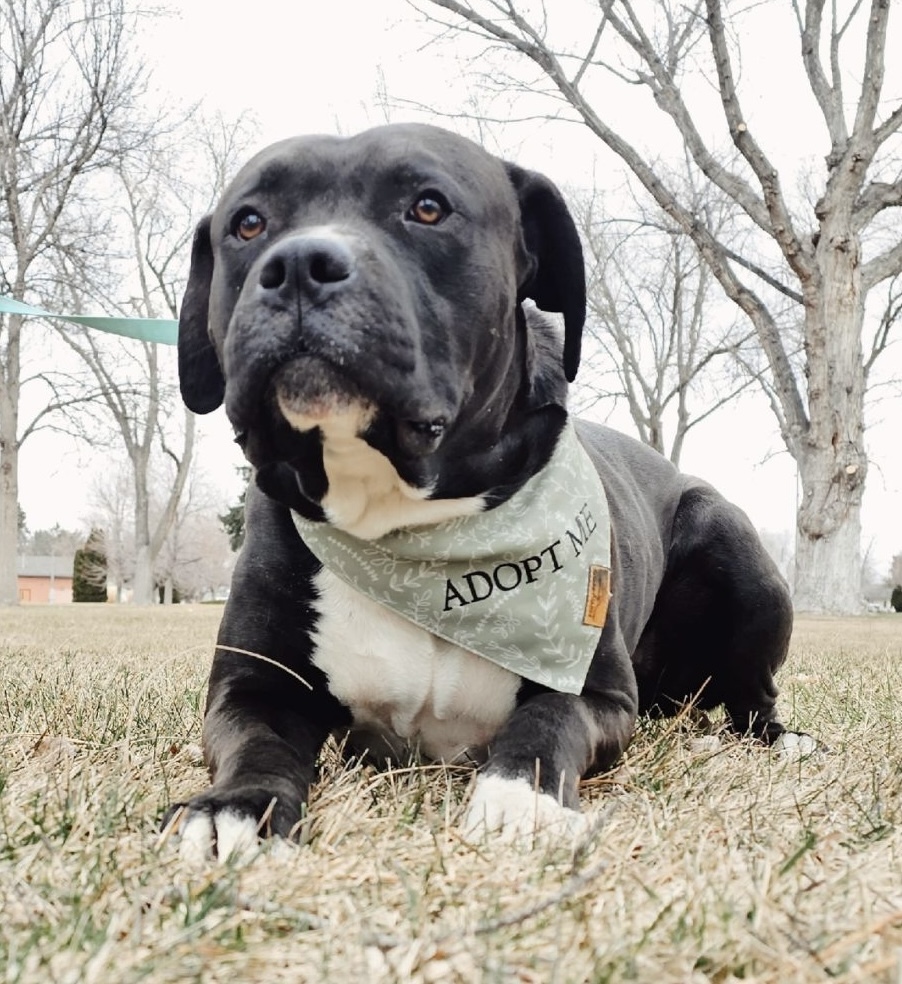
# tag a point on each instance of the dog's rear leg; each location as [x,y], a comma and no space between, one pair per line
[722,622]
[531,781]
[750,690]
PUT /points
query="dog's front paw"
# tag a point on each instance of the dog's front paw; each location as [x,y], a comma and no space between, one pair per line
[225,836]
[228,826]
[511,810]
[796,745]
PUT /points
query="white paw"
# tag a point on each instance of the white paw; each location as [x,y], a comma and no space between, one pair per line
[511,810]
[226,836]
[795,745]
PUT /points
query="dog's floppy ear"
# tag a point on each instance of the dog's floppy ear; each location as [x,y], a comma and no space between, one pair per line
[558,280]
[200,375]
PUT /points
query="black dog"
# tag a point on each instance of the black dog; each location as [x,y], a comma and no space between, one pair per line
[358,306]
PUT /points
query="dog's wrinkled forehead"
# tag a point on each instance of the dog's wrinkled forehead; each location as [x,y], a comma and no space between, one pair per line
[319,178]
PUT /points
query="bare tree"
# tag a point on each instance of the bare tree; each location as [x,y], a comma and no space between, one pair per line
[137,380]
[196,559]
[69,93]
[792,271]
[650,313]
[142,400]
[112,508]
[43,543]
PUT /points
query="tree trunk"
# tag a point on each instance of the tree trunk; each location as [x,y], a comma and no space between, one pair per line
[9,462]
[828,537]
[142,586]
[9,518]
[831,456]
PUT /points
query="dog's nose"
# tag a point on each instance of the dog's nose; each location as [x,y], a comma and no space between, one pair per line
[314,266]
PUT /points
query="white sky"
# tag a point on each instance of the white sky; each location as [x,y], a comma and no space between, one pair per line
[317,67]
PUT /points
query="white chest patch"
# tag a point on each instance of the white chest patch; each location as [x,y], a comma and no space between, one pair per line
[405,685]
[366,496]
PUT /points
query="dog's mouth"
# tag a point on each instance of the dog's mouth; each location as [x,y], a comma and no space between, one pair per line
[312,393]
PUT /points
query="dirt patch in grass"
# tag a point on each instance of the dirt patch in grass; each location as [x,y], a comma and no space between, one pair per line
[707,863]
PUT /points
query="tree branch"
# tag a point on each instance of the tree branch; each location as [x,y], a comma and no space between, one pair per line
[887,264]
[799,256]
[877,196]
[828,97]
[892,311]
[872,79]
[710,249]
[889,126]
[762,274]
[668,97]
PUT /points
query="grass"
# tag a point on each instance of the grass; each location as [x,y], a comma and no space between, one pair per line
[707,864]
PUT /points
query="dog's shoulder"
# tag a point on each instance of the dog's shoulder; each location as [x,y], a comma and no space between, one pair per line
[642,486]
[612,450]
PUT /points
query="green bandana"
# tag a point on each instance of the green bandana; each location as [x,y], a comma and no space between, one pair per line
[525,585]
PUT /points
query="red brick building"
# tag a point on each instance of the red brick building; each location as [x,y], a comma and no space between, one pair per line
[45,580]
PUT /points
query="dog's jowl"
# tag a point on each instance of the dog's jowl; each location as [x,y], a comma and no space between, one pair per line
[439,560]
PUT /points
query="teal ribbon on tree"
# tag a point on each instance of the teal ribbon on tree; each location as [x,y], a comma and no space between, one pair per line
[162,330]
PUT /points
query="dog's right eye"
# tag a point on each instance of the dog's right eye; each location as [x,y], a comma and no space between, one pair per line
[248,225]
[429,209]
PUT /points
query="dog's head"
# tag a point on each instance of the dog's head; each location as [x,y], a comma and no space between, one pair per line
[364,293]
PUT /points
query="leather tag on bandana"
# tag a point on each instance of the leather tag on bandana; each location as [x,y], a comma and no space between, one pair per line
[598,596]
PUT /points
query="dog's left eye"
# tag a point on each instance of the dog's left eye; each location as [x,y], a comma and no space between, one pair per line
[428,209]
[249,225]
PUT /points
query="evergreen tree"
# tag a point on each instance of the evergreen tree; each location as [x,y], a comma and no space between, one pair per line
[233,520]
[89,571]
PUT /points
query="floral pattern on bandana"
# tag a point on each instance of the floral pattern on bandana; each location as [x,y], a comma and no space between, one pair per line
[525,585]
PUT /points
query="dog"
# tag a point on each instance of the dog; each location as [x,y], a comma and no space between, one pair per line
[369,310]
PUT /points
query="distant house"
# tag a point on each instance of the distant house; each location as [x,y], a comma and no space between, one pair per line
[45,580]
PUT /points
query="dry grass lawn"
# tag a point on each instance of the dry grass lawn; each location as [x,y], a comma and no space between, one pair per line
[706,864]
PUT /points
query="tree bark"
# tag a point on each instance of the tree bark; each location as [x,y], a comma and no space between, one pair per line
[833,554]
[142,586]
[9,460]
[831,459]
[142,583]
[9,509]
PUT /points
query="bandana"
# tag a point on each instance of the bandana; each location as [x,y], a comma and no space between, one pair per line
[525,585]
